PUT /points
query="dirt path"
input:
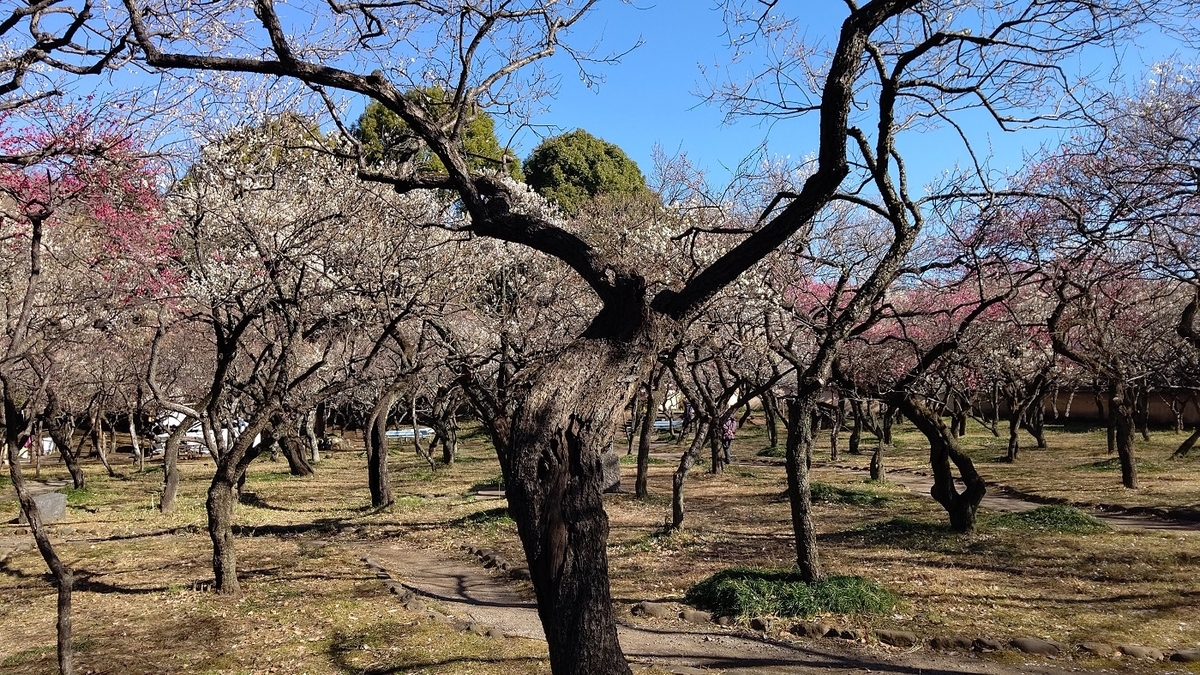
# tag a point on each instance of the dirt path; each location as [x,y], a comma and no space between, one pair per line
[464,590]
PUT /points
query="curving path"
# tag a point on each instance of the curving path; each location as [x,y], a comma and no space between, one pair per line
[466,591]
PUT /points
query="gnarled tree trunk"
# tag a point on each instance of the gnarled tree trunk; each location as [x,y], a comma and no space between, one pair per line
[943,449]
[799,444]
[553,477]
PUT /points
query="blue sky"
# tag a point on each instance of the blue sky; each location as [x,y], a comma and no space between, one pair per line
[651,96]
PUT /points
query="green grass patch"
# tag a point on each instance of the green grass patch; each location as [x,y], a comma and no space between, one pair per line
[1052,518]
[830,494]
[907,533]
[80,498]
[663,539]
[778,451]
[747,591]
[1114,464]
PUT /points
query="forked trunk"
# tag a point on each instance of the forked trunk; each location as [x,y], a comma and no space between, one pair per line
[943,449]
[554,480]
[1014,430]
[799,444]
[680,477]
[223,495]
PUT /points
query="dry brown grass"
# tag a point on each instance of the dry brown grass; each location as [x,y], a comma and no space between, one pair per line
[310,606]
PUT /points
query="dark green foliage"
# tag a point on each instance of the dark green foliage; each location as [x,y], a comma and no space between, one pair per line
[573,167]
[777,451]
[1052,518]
[748,591]
[907,533]
[498,515]
[386,138]
[822,492]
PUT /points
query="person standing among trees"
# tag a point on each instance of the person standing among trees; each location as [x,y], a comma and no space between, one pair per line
[728,431]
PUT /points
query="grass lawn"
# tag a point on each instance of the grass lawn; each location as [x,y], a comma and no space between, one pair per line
[310,606]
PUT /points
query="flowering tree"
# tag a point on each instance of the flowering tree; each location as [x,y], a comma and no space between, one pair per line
[894,64]
[80,211]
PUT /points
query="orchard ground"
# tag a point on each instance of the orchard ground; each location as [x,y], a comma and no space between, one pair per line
[310,605]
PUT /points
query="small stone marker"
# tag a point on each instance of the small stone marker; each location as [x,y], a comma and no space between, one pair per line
[653,609]
[610,465]
[1098,649]
[695,616]
[52,507]
[897,638]
[760,623]
[1031,645]
[1186,656]
[1140,652]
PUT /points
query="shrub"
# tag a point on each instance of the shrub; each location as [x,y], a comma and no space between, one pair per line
[748,591]
[1054,518]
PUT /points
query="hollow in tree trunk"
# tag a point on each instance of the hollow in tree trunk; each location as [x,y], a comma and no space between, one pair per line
[943,450]
[799,443]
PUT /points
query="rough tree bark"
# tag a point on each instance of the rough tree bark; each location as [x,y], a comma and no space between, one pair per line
[679,478]
[943,449]
[223,495]
[800,440]
[378,477]
[641,484]
[553,478]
